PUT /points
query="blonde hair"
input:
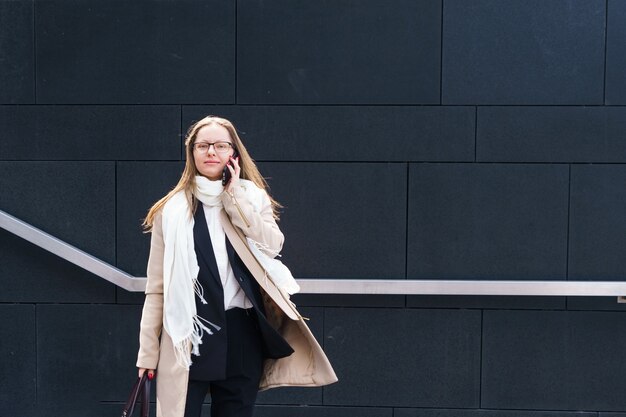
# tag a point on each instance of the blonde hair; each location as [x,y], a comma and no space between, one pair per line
[187,182]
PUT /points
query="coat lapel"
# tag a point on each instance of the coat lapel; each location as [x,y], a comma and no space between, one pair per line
[240,245]
[203,242]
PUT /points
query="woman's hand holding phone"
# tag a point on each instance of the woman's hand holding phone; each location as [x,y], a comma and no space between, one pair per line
[232,175]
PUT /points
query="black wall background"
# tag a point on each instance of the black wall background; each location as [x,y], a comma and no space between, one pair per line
[417,139]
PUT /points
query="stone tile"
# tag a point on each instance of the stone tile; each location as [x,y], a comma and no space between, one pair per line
[486,302]
[314,411]
[335,52]
[18,366]
[615,53]
[403,358]
[529,52]
[349,133]
[349,300]
[595,304]
[487,221]
[90,132]
[17,66]
[141,52]
[341,220]
[551,134]
[415,412]
[597,223]
[92,349]
[553,360]
[113,409]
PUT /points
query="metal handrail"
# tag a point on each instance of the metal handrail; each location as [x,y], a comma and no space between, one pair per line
[331,286]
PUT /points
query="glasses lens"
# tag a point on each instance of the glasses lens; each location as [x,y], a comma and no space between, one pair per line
[201,147]
[222,146]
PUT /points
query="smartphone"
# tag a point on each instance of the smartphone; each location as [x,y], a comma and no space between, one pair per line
[226,173]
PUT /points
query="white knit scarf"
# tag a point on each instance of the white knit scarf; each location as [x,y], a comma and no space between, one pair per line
[180,271]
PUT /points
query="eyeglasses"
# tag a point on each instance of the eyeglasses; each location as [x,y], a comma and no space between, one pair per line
[220,147]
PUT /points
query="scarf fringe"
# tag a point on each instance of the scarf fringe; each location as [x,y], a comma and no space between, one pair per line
[265,248]
[191,344]
[197,288]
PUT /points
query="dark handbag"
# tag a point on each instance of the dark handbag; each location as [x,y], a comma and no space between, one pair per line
[140,389]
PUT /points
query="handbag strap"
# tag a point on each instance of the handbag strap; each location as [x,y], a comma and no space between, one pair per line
[140,388]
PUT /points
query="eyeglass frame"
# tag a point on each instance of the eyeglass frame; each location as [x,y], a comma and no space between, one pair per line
[230,144]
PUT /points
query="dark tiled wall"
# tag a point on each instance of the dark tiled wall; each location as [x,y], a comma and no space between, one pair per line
[523,52]
[428,139]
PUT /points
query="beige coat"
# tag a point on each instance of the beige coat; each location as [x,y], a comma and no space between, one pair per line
[247,212]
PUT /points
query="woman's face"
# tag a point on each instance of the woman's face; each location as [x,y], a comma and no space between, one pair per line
[211,163]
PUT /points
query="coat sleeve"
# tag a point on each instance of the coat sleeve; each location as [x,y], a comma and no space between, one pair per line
[152,315]
[250,209]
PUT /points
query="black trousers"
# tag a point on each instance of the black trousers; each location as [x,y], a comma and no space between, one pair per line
[234,396]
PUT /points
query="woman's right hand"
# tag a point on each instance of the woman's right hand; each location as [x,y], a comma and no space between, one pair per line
[150,372]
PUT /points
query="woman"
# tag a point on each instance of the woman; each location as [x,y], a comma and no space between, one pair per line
[212,318]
